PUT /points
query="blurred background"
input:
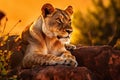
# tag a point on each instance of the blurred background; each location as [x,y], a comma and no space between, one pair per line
[95,22]
[29,10]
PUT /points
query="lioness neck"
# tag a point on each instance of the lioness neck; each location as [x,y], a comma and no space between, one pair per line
[37,32]
[36,29]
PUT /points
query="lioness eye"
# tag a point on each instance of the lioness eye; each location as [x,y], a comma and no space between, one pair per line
[58,20]
[70,21]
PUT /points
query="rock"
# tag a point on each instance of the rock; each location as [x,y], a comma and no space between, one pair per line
[114,65]
[59,72]
[103,61]
[97,62]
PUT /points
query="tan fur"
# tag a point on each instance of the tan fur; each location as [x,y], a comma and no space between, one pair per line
[47,37]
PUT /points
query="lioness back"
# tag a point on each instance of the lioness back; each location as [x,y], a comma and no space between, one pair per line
[47,37]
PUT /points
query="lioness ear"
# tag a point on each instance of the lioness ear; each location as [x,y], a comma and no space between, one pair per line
[47,9]
[69,10]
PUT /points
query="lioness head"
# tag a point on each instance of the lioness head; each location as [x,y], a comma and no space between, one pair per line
[57,22]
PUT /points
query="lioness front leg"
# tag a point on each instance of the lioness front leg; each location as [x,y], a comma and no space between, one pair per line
[43,59]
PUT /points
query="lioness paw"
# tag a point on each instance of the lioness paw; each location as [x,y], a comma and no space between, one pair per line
[57,61]
[71,62]
[70,47]
[68,56]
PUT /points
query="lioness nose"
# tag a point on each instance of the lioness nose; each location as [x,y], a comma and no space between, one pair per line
[69,31]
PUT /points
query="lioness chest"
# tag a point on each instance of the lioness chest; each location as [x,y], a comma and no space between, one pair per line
[54,46]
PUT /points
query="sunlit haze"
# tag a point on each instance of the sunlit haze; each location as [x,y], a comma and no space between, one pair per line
[29,10]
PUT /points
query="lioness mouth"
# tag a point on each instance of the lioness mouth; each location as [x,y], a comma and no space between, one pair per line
[59,37]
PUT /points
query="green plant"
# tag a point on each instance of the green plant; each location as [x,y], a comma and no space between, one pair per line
[5,54]
[99,27]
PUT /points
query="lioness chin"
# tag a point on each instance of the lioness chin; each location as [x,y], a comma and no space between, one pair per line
[47,37]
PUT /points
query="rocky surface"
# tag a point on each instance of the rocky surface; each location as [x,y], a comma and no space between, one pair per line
[95,63]
[103,61]
[58,72]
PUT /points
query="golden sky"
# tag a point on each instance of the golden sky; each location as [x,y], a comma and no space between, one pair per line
[29,10]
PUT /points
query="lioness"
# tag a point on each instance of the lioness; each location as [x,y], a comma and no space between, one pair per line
[47,37]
